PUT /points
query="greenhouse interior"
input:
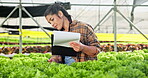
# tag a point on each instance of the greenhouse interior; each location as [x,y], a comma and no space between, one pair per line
[102,39]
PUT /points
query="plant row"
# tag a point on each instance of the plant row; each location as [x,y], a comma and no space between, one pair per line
[123,47]
[45,49]
[27,49]
[109,65]
[9,40]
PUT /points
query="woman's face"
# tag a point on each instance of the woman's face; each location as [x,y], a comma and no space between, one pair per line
[56,21]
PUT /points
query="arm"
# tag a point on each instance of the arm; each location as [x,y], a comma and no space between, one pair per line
[89,38]
[89,50]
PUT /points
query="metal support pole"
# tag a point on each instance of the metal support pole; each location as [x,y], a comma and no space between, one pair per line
[103,18]
[132,14]
[131,24]
[35,20]
[115,27]
[9,15]
[20,27]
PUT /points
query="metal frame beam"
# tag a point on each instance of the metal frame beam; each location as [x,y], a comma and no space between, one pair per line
[20,22]
[9,15]
[115,26]
[74,4]
[20,27]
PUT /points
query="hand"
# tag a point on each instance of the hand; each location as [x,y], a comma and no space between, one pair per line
[54,58]
[51,60]
[76,46]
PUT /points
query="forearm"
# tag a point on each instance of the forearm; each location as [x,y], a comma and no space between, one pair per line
[90,50]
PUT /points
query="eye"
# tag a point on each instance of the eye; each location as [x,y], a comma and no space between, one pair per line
[49,22]
[51,19]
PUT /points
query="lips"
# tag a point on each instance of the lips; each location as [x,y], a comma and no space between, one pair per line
[55,27]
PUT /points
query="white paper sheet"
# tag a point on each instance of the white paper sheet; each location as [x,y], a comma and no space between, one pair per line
[62,38]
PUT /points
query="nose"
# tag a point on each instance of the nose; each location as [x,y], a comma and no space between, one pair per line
[52,24]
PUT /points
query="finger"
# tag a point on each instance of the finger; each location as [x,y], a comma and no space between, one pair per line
[71,44]
[49,60]
[75,44]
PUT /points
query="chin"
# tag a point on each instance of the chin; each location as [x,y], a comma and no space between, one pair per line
[58,29]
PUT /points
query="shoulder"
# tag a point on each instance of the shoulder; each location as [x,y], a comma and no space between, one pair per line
[81,25]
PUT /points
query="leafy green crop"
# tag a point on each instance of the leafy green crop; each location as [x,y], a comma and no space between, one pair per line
[109,65]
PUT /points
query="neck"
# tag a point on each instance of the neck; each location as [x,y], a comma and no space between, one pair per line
[66,24]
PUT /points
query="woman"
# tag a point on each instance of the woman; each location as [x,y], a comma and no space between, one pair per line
[88,49]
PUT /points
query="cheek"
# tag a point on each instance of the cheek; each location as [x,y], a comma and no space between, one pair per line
[59,22]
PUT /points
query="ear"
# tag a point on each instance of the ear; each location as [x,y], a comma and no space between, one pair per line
[60,14]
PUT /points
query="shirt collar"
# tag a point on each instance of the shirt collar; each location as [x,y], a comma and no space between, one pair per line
[74,22]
